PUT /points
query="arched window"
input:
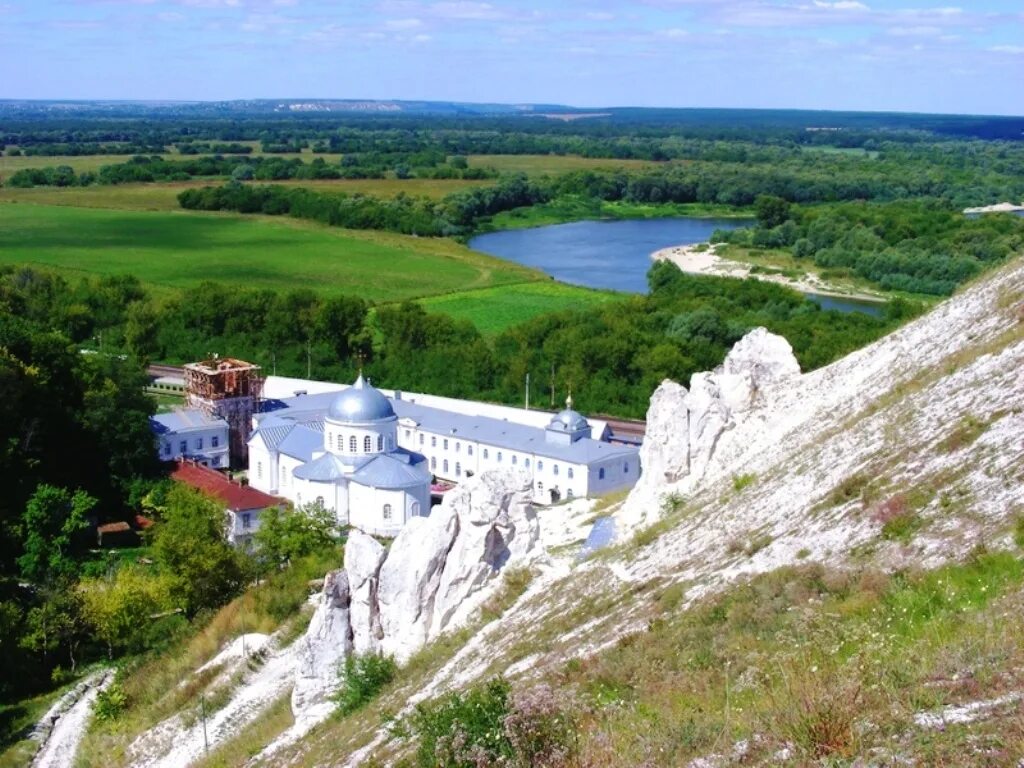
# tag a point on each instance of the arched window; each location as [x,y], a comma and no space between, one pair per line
[387,511]
[458,447]
[600,474]
[568,493]
[540,465]
[284,474]
[499,456]
[414,509]
[526,463]
[367,444]
[554,469]
[625,468]
[458,469]
[445,446]
[485,453]
[433,441]
[445,467]
[320,501]
[469,449]
[433,462]
[353,444]
[569,472]
[380,442]
[540,487]
[341,444]
[421,438]
[515,459]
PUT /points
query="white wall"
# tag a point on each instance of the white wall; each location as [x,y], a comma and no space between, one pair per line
[198,445]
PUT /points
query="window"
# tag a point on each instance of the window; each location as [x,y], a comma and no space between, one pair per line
[445,446]
[458,469]
[216,461]
[284,474]
[387,511]
[214,441]
[380,442]
[433,441]
[569,472]
[515,459]
[367,444]
[414,509]
[625,468]
[320,501]
[540,487]
[183,447]
[600,474]
[499,456]
[540,465]
[421,439]
[259,469]
[526,463]
[458,447]
[469,449]
[246,520]
[485,453]
[445,467]
[568,493]
[433,462]
[167,448]
[554,469]
[353,444]
[407,434]
[199,443]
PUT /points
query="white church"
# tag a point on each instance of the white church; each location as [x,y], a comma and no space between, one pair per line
[371,458]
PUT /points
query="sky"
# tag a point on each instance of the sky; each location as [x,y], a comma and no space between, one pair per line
[905,55]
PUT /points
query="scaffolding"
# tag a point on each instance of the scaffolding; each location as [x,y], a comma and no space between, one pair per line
[229,389]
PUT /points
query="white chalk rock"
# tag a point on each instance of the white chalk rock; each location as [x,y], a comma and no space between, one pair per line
[497,524]
[409,579]
[319,654]
[364,556]
[687,430]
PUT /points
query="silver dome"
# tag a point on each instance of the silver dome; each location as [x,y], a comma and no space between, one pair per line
[569,421]
[359,404]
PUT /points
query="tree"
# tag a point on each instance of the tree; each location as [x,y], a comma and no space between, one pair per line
[49,530]
[286,535]
[771,211]
[341,322]
[120,608]
[189,542]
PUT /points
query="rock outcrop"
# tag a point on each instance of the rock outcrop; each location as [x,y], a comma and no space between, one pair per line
[327,641]
[685,428]
[432,578]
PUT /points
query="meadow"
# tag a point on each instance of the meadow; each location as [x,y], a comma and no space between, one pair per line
[179,250]
[494,310]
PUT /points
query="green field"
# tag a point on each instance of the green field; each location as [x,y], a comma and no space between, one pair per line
[493,310]
[182,249]
[164,196]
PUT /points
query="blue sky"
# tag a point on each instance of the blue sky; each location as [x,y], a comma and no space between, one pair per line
[908,55]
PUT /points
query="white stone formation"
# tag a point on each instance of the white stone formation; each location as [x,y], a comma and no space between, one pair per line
[686,428]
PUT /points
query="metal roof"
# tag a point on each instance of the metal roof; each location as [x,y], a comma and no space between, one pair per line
[184,420]
[391,471]
[360,404]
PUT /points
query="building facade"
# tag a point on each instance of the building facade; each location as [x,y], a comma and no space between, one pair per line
[343,454]
[560,453]
[188,433]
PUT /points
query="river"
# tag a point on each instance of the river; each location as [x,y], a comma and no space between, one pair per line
[616,254]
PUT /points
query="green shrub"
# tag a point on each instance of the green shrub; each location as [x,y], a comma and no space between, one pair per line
[464,730]
[365,676]
[110,703]
[739,482]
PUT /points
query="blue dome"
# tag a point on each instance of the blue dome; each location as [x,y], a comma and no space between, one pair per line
[359,404]
[569,421]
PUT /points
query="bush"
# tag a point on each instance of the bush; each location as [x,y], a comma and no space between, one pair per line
[110,703]
[365,676]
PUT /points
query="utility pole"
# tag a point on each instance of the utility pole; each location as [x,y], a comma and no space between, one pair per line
[273,358]
[309,358]
[552,385]
[527,391]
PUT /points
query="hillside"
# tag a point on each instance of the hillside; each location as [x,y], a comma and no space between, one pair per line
[773,572]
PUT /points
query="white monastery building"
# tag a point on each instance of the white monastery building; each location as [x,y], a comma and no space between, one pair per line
[371,458]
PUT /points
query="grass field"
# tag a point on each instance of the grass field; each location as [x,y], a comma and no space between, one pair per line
[182,249]
[494,310]
[164,196]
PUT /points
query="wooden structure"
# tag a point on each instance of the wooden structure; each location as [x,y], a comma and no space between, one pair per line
[226,388]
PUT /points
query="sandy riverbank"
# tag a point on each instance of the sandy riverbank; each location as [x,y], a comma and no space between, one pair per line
[703,259]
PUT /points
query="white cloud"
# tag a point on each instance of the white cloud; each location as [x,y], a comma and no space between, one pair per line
[919,31]
[841,5]
[1014,49]
[403,23]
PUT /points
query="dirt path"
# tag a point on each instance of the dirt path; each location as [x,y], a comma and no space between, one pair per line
[67,721]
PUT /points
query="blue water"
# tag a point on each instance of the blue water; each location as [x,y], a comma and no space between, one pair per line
[616,254]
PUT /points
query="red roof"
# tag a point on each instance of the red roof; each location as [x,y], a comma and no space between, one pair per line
[120,527]
[235,496]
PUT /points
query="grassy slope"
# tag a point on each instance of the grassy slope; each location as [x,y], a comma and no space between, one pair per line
[577,208]
[183,249]
[494,310]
